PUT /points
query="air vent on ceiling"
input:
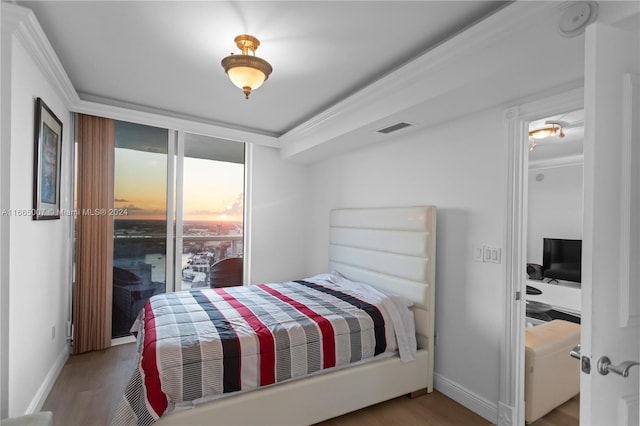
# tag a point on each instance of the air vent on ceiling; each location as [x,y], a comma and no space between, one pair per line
[394,127]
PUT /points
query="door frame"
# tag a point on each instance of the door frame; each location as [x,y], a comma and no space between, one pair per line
[516,124]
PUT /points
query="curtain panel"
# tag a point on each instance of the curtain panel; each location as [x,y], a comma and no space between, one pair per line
[94,234]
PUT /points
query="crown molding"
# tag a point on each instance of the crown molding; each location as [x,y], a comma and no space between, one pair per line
[27,30]
[551,163]
[166,120]
[23,24]
[413,83]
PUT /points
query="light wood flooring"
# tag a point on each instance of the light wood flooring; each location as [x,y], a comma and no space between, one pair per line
[434,409]
[90,386]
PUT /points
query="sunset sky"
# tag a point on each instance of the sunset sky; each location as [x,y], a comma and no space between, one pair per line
[213,190]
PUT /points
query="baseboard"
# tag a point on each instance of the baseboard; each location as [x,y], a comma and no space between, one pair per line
[506,415]
[464,396]
[41,395]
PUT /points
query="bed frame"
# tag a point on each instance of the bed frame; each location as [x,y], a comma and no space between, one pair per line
[392,249]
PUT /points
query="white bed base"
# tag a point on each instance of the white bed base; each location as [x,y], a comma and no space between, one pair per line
[392,249]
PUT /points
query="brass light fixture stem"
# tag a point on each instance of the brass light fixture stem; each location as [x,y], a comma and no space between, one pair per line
[246,42]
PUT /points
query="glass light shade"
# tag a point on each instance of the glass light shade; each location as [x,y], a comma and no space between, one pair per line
[246,72]
[546,132]
[541,133]
[246,77]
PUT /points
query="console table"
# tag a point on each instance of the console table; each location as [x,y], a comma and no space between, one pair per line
[564,297]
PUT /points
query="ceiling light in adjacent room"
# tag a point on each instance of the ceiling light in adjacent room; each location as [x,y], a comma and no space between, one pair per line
[246,71]
[555,129]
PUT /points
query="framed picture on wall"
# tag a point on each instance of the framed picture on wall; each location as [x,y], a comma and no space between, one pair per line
[47,157]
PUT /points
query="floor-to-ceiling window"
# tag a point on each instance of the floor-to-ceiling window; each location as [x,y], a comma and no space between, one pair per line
[212,210]
[178,215]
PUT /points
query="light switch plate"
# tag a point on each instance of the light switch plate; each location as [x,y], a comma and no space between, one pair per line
[492,254]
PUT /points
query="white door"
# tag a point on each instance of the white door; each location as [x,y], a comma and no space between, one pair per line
[611,255]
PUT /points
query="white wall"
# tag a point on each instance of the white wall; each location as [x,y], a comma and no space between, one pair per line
[279,199]
[460,167]
[39,251]
[555,207]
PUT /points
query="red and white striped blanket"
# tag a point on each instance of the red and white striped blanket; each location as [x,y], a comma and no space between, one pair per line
[205,342]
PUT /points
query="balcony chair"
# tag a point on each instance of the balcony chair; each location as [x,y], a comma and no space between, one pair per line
[227,272]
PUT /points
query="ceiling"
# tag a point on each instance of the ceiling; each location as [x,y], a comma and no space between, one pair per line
[342,70]
[164,56]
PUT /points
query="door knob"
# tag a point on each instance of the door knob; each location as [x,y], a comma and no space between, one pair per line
[575,352]
[604,366]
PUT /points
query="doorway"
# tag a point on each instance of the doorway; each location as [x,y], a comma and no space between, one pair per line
[610,224]
[553,255]
[554,218]
[517,120]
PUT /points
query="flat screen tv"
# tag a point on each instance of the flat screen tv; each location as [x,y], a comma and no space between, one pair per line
[562,259]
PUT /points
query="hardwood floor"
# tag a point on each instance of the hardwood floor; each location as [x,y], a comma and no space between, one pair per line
[434,409]
[90,386]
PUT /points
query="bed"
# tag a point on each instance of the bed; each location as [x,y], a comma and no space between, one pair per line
[392,250]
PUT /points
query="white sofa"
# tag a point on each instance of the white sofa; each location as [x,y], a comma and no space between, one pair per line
[552,376]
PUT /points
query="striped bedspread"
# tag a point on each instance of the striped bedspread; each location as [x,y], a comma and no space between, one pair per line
[199,343]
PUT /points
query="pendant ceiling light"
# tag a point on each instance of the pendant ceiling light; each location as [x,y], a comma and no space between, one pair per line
[555,129]
[247,71]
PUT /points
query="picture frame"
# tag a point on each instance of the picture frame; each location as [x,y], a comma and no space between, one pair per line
[47,159]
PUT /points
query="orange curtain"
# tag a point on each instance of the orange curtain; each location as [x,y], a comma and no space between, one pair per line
[94,234]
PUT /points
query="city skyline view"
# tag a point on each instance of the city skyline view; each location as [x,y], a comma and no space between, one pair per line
[212,190]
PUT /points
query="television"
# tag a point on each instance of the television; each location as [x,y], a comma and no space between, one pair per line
[562,259]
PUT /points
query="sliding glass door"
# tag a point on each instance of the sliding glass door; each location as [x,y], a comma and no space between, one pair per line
[140,221]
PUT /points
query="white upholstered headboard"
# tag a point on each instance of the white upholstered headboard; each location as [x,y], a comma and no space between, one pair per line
[392,249]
